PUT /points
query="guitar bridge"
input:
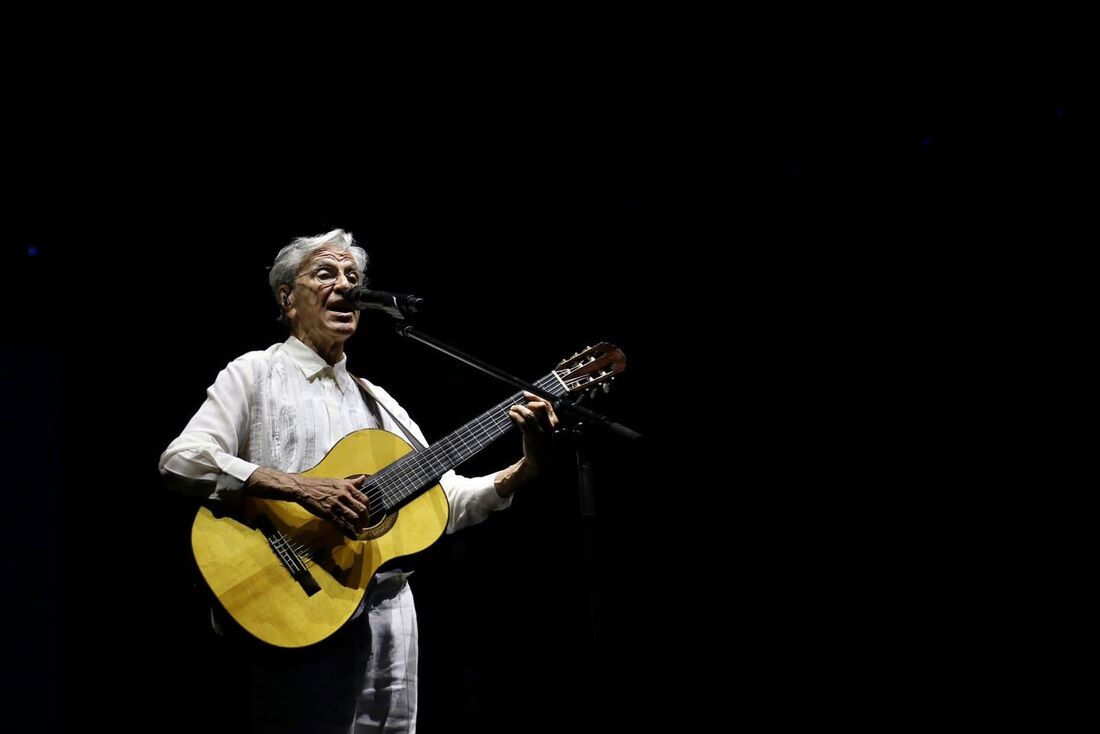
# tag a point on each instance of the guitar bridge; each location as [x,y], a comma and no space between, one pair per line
[289,557]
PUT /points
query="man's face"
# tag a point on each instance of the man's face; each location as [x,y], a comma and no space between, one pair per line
[317,308]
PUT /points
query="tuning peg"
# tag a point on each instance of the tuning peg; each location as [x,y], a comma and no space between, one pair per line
[606,388]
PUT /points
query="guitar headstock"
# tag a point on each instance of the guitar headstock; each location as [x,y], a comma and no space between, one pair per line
[592,368]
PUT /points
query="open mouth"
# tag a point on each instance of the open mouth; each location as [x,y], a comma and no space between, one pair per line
[341,309]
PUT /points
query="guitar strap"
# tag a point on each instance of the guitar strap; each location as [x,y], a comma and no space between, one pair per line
[416,443]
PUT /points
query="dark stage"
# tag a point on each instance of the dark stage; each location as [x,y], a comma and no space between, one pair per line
[826,293]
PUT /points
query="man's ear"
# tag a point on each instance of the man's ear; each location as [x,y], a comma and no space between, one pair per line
[285,293]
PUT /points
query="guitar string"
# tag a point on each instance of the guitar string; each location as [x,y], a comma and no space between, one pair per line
[460,439]
[291,560]
[392,485]
[500,423]
[302,555]
[423,470]
[305,549]
[409,473]
[410,476]
[458,446]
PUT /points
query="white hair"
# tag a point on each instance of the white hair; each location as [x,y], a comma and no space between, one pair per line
[287,263]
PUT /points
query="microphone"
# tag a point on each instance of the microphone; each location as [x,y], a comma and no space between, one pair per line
[395,304]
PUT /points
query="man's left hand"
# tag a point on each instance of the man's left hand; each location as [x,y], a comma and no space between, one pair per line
[537,421]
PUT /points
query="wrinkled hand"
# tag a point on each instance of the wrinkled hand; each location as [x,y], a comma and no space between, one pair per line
[537,420]
[339,501]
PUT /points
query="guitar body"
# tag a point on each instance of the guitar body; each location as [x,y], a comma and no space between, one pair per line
[252,583]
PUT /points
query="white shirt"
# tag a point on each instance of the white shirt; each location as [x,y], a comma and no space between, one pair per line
[284,408]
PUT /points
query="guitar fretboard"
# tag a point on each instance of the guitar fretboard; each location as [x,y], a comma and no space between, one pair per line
[419,470]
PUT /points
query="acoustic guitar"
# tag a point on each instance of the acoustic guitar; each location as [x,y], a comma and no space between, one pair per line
[292,579]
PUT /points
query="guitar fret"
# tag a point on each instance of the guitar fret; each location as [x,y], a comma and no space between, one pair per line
[407,476]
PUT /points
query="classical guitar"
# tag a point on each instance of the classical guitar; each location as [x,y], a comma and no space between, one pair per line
[292,579]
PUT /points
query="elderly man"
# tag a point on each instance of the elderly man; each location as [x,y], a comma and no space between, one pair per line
[271,415]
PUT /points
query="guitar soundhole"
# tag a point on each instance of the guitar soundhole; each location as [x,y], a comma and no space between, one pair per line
[381,525]
[378,529]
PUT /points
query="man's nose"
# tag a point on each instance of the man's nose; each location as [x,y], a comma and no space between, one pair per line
[343,284]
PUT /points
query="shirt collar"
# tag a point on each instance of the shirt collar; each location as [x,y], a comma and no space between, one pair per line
[311,364]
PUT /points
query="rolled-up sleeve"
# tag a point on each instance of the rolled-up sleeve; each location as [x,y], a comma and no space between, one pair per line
[471,499]
[203,459]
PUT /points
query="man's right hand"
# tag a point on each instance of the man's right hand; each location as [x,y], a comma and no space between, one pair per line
[339,501]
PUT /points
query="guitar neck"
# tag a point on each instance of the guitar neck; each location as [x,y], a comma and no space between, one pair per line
[419,470]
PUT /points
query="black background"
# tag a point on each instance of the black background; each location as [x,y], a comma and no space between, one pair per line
[836,286]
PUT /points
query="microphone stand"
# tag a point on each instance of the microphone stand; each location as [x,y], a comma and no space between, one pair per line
[563,405]
[580,419]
